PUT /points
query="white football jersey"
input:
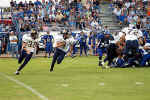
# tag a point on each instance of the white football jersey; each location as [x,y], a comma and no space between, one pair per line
[116,39]
[68,42]
[134,34]
[31,43]
[126,30]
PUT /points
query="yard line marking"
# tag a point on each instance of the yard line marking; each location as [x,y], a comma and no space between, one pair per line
[25,86]
[65,85]
[139,83]
[101,84]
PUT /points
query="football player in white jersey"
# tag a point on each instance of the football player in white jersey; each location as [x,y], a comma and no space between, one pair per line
[62,45]
[132,38]
[28,48]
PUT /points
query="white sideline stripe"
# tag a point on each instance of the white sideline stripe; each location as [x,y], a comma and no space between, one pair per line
[25,86]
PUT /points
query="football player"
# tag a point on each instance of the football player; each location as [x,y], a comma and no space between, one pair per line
[28,48]
[102,44]
[48,41]
[83,43]
[62,45]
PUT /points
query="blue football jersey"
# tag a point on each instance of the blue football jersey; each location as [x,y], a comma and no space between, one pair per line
[102,40]
[48,39]
[94,37]
[83,38]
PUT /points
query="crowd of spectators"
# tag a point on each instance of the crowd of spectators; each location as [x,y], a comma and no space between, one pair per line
[135,12]
[37,14]
[26,16]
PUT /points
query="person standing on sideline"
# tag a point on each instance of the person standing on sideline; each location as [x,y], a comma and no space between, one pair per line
[13,44]
[83,43]
[48,41]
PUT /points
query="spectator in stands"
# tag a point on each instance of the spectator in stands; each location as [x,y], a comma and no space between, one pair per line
[13,44]
[147,25]
[148,10]
[59,17]
[37,3]
[28,15]
[122,18]
[117,12]
[139,24]
[96,5]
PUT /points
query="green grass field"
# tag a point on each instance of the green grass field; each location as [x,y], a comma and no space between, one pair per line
[75,79]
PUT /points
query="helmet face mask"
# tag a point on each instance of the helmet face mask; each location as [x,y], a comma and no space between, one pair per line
[34,35]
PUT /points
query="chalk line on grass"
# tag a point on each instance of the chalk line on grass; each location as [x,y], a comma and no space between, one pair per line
[42,97]
[139,83]
[101,84]
[65,85]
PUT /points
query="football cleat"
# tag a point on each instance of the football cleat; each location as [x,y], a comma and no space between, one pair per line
[17,73]
[51,70]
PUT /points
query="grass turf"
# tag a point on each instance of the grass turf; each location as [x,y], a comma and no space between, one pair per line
[75,79]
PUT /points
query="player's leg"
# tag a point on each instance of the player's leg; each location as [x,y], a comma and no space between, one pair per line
[145,59]
[22,56]
[100,52]
[94,49]
[27,59]
[85,49]
[81,49]
[46,51]
[55,56]
[74,49]
[50,50]
[119,62]
[61,57]
[111,53]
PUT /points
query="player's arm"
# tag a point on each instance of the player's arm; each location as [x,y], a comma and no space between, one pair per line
[146,48]
[60,44]
[70,51]
[24,44]
[140,40]
[52,39]
[45,42]
[91,42]
[24,47]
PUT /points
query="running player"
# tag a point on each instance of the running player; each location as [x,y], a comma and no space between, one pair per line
[28,48]
[62,45]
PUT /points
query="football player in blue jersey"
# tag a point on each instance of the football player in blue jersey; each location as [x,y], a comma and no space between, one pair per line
[90,43]
[83,43]
[94,38]
[103,42]
[48,41]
